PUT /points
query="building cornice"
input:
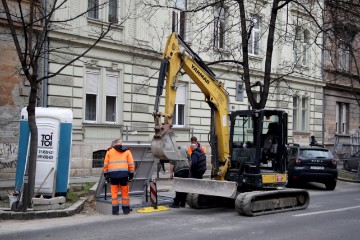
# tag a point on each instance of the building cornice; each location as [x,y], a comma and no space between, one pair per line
[105,44]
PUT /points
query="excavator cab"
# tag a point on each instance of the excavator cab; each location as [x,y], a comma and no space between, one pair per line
[258,141]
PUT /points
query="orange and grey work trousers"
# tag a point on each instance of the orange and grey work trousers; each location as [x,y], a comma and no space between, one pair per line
[124,187]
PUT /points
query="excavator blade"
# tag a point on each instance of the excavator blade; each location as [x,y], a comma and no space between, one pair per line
[267,202]
[206,187]
[163,146]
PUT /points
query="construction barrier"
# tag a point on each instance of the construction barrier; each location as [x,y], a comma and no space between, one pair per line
[153,193]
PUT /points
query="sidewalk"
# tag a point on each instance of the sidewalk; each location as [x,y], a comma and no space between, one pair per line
[164,185]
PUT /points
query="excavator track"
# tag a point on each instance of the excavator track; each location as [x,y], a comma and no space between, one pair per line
[268,202]
[199,201]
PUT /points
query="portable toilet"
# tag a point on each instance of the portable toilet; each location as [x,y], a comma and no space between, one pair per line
[53,154]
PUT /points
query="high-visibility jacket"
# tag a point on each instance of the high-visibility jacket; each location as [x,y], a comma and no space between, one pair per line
[201,147]
[118,162]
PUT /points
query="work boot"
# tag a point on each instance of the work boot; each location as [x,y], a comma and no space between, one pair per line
[126,210]
[115,210]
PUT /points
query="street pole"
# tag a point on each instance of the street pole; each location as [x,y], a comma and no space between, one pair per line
[25,193]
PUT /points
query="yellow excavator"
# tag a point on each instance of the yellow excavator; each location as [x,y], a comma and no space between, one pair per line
[248,147]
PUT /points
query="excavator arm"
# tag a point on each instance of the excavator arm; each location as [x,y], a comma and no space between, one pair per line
[174,60]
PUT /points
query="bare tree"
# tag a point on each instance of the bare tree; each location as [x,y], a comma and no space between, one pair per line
[230,29]
[342,45]
[29,24]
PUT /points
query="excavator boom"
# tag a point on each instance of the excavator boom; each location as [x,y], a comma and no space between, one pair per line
[164,144]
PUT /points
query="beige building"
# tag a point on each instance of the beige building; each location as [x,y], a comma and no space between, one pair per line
[111,90]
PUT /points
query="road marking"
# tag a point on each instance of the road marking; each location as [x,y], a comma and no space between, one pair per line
[327,211]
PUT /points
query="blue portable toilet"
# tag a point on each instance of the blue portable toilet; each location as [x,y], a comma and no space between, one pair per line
[54,148]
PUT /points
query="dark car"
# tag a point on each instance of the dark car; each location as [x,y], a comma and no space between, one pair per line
[311,164]
[352,163]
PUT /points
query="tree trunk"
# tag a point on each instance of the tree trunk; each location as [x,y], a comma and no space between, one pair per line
[269,54]
[33,139]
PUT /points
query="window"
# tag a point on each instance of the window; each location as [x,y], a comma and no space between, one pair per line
[295,112]
[305,47]
[91,92]
[342,117]
[300,113]
[304,113]
[301,46]
[315,153]
[111,97]
[178,18]
[343,52]
[107,11]
[113,11]
[293,152]
[101,96]
[219,29]
[98,158]
[250,123]
[254,40]
[93,9]
[179,109]
[296,45]
[328,57]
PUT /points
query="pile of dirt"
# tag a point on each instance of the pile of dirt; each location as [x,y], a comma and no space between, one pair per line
[90,207]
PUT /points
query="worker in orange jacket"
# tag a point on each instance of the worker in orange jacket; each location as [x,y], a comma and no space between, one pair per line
[194,141]
[119,168]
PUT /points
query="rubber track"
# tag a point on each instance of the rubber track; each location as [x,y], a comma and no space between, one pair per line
[199,201]
[193,200]
[244,201]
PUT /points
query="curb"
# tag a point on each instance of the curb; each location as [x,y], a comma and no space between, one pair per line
[75,208]
[348,180]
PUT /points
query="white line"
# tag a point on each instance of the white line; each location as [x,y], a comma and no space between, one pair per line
[328,211]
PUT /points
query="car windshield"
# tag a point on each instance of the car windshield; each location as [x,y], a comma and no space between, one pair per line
[315,153]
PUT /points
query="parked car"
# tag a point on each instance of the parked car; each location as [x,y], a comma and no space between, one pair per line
[352,163]
[311,164]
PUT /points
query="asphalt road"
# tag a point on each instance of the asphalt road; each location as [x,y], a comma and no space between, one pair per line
[331,215]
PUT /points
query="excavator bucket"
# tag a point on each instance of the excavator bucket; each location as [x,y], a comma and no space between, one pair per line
[164,147]
[217,188]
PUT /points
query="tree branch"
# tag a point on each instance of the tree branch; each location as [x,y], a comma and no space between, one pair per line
[226,61]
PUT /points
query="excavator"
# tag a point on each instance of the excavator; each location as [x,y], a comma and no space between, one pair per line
[248,147]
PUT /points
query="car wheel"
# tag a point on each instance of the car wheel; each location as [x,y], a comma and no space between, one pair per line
[290,184]
[346,166]
[330,185]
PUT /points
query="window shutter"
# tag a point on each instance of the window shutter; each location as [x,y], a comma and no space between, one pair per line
[182,24]
[92,81]
[112,85]
[181,94]
[174,21]
[337,116]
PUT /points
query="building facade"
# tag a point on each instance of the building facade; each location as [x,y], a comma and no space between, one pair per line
[111,90]
[341,75]
[14,92]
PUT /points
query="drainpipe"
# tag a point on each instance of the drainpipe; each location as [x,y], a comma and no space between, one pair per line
[323,90]
[46,61]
